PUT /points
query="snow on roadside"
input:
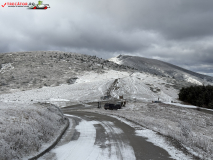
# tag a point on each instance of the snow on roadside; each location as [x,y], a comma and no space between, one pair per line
[156,139]
[85,143]
[181,105]
[191,128]
[161,142]
[186,106]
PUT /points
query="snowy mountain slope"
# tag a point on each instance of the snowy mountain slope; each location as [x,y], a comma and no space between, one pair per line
[141,86]
[162,69]
[91,86]
[145,87]
[64,78]
[68,78]
[29,70]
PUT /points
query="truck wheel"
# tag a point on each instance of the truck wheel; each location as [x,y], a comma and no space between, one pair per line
[45,7]
[34,7]
[105,109]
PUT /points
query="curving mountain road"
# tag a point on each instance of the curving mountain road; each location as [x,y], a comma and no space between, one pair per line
[94,136]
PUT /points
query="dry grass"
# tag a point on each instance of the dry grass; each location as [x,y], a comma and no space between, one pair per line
[24,130]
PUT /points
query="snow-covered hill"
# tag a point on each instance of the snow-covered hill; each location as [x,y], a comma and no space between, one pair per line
[30,70]
[64,78]
[91,86]
[160,68]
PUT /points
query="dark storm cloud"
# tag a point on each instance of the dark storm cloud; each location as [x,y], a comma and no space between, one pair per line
[178,32]
[174,19]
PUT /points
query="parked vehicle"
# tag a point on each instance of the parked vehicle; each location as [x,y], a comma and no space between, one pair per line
[110,106]
[119,105]
[156,101]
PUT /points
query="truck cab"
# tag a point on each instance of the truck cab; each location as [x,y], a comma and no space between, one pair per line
[110,106]
[119,105]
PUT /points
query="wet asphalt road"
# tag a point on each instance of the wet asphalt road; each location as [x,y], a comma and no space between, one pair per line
[107,137]
[143,150]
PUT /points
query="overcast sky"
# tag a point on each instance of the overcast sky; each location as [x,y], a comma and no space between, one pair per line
[176,31]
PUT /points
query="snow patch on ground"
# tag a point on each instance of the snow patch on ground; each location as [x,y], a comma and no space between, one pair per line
[161,142]
[186,106]
[60,95]
[144,87]
[181,105]
[156,139]
[86,143]
[54,99]
[6,67]
[115,60]
[108,75]
[84,147]
[192,80]
[91,86]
